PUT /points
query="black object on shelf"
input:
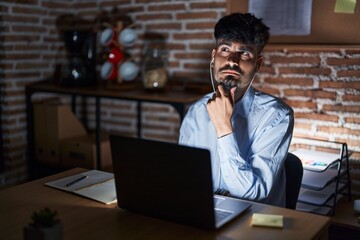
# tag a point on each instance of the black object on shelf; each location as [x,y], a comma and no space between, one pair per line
[325,180]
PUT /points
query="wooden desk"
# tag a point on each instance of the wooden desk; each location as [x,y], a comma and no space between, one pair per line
[87,219]
[178,99]
[344,224]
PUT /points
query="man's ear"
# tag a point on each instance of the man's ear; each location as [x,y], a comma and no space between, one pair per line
[259,63]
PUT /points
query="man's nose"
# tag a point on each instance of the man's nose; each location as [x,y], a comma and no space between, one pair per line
[234,57]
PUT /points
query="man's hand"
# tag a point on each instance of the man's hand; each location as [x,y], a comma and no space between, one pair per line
[220,108]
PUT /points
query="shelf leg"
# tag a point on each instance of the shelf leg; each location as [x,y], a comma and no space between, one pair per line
[98,132]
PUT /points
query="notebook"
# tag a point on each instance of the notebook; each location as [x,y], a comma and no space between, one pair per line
[94,184]
[169,181]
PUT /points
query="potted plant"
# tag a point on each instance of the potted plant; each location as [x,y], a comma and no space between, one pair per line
[44,226]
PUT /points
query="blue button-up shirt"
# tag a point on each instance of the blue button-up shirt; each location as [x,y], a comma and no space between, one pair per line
[249,163]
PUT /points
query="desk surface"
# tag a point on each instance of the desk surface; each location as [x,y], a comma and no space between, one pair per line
[345,215]
[87,219]
[133,92]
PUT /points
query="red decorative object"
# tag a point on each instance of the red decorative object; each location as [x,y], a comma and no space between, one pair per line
[116,38]
[115,56]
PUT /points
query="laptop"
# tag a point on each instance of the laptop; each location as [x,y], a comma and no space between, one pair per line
[169,181]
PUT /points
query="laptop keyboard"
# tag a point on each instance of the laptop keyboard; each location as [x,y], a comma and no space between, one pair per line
[218,200]
[220,215]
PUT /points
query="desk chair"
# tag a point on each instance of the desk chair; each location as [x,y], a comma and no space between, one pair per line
[294,174]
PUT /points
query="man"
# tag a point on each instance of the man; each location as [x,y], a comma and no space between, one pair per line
[247,132]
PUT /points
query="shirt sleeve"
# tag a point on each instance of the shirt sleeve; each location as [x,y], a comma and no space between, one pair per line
[194,120]
[186,130]
[251,175]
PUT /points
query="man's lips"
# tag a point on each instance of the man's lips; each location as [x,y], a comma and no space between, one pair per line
[231,72]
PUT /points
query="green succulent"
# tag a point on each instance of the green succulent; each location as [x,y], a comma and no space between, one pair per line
[44,218]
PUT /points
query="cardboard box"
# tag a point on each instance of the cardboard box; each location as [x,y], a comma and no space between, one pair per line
[53,121]
[81,152]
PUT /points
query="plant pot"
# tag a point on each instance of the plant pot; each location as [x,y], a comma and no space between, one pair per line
[52,233]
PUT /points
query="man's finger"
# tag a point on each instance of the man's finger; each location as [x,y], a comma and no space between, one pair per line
[221,90]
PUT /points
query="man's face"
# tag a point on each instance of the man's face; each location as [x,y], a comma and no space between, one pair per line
[235,64]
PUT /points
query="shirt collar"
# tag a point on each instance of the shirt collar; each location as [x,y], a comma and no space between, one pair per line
[242,107]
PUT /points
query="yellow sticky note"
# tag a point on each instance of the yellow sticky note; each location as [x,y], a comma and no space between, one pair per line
[267,220]
[345,6]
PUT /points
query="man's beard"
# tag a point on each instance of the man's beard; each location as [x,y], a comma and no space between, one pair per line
[230,81]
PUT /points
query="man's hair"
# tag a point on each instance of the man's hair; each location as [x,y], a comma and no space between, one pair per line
[242,28]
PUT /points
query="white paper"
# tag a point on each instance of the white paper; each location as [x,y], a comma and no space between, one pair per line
[104,192]
[284,17]
[315,160]
[97,185]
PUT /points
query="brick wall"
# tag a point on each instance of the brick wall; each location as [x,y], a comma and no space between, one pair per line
[28,49]
[321,83]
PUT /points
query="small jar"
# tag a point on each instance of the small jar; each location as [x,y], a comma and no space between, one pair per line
[154,67]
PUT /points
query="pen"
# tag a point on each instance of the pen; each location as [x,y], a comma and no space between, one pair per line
[75,181]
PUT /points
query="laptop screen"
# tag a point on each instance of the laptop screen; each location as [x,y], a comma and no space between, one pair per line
[163,180]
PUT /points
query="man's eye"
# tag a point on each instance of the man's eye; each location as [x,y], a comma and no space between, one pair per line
[245,54]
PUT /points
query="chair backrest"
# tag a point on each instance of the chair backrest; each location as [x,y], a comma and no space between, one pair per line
[294,173]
